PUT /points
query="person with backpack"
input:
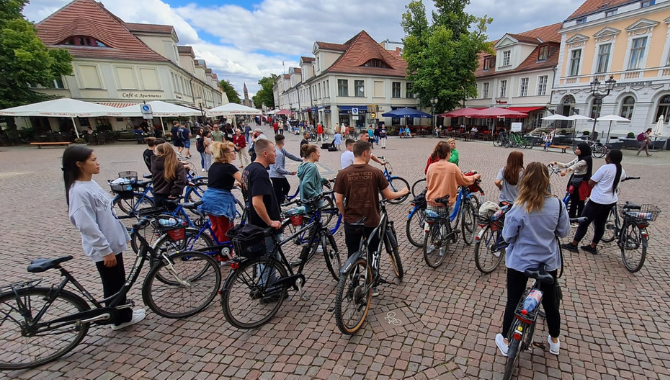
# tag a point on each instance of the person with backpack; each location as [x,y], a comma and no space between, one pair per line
[185,137]
[200,146]
[176,140]
[382,137]
[644,139]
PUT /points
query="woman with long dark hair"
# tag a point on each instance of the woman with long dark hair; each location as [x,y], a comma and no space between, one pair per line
[581,168]
[169,176]
[603,197]
[103,237]
[531,226]
[509,177]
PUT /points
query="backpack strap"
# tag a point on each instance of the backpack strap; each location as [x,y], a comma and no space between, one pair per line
[558,239]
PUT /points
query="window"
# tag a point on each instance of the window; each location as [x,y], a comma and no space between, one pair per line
[359,88]
[603,58]
[58,83]
[83,41]
[647,3]
[524,87]
[326,89]
[487,63]
[627,107]
[542,85]
[595,108]
[395,90]
[575,58]
[581,20]
[343,87]
[485,90]
[376,63]
[543,53]
[610,13]
[663,109]
[637,53]
[506,58]
[408,90]
[503,88]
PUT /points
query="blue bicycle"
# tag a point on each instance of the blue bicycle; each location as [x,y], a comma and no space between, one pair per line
[490,246]
[396,183]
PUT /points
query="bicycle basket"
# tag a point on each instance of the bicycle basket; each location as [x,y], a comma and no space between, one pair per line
[433,213]
[646,213]
[123,187]
[248,240]
[174,227]
[129,175]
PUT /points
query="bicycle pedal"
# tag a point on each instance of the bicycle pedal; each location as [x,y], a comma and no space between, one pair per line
[540,345]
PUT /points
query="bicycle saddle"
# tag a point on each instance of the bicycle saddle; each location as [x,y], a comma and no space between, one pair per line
[359,222]
[42,265]
[191,205]
[141,224]
[631,206]
[539,274]
[444,200]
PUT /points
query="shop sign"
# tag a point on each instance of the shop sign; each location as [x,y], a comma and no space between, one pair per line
[142,95]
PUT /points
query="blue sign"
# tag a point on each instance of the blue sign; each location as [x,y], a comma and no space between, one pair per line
[354,111]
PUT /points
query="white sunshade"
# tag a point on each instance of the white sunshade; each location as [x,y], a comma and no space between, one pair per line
[612,118]
[64,107]
[555,117]
[658,128]
[578,117]
[158,108]
[231,109]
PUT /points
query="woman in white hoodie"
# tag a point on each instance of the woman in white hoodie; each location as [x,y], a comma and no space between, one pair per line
[103,237]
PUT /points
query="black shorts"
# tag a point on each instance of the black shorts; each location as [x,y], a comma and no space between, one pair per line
[178,143]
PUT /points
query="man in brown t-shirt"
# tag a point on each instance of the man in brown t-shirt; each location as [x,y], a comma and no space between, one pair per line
[360,184]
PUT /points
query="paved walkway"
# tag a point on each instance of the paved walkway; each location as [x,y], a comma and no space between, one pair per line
[435,324]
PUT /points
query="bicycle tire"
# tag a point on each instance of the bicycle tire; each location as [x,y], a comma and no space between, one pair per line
[397,183]
[331,254]
[497,141]
[436,244]
[15,345]
[414,228]
[396,263]
[241,285]
[485,259]
[165,245]
[328,211]
[599,151]
[527,144]
[197,190]
[512,358]
[610,227]
[631,241]
[419,187]
[469,222]
[357,295]
[137,202]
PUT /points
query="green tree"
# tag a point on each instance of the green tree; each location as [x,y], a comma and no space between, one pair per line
[265,96]
[442,57]
[25,60]
[233,95]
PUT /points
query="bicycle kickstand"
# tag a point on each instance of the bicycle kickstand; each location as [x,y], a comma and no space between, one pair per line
[299,285]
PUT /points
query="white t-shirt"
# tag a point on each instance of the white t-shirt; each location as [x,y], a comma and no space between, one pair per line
[346,159]
[602,192]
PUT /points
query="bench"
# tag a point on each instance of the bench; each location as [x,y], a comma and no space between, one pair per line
[54,143]
[562,147]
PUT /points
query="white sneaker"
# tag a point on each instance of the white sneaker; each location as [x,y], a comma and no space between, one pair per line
[500,342]
[138,315]
[319,249]
[553,347]
[203,169]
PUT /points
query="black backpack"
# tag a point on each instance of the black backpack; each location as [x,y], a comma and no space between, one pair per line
[183,134]
[248,240]
[200,144]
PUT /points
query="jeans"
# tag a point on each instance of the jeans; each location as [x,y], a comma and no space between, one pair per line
[516,285]
[596,213]
[269,276]
[208,161]
[202,159]
[353,235]
[112,281]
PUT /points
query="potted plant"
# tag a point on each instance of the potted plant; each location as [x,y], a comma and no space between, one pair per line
[586,133]
[79,140]
[630,135]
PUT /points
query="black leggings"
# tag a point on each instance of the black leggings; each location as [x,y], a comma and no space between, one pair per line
[112,281]
[281,188]
[576,206]
[596,213]
[352,238]
[516,286]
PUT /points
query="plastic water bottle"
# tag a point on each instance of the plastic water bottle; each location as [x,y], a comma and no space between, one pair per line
[497,215]
[531,302]
[296,211]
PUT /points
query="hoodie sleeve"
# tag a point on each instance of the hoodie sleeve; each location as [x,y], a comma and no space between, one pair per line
[312,186]
[180,182]
[85,221]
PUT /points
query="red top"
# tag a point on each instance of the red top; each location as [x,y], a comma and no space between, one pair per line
[275,126]
[430,161]
[319,129]
[240,141]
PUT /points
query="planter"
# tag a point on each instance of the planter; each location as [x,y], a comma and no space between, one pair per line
[630,143]
[615,145]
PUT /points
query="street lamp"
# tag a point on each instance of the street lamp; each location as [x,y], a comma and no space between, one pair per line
[598,96]
[433,102]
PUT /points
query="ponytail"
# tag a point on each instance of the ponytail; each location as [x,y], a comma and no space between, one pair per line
[615,157]
[72,155]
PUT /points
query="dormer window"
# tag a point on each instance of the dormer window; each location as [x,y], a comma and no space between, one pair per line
[507,58]
[376,63]
[487,63]
[543,54]
[83,41]
[610,13]
[648,3]
[581,20]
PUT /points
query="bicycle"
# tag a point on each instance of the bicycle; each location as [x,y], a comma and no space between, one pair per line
[257,285]
[490,246]
[418,187]
[598,150]
[396,183]
[414,227]
[361,273]
[39,324]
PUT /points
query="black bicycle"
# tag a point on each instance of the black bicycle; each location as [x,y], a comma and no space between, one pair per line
[39,324]
[361,273]
[258,283]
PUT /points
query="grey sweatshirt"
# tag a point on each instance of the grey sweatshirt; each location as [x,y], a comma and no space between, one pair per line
[278,169]
[92,213]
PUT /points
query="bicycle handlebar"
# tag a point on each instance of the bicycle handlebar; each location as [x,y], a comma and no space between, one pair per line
[629,178]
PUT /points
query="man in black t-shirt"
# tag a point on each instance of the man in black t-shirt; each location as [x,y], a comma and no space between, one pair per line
[305,140]
[264,208]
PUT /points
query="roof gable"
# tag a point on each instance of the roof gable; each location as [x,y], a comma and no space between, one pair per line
[89,18]
[360,50]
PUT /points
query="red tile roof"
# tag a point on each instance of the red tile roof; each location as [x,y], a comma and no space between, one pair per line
[186,50]
[150,28]
[307,59]
[547,33]
[522,38]
[593,6]
[530,63]
[362,48]
[297,70]
[89,18]
[331,46]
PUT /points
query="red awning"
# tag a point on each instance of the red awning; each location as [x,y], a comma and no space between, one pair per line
[461,112]
[525,109]
[117,104]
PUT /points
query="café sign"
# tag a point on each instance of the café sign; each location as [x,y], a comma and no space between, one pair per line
[142,95]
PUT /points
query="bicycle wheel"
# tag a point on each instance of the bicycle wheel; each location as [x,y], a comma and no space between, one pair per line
[497,141]
[610,227]
[353,297]
[633,247]
[419,187]
[469,222]
[527,143]
[512,357]
[392,250]
[398,183]
[436,244]
[130,206]
[248,299]
[195,192]
[487,254]
[331,254]
[47,342]
[414,228]
[329,211]
[599,151]
[192,242]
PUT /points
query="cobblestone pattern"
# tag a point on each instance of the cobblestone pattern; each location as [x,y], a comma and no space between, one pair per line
[614,324]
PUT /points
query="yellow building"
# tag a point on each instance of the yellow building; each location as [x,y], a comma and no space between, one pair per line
[628,41]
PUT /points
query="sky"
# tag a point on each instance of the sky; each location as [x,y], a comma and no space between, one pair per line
[243,41]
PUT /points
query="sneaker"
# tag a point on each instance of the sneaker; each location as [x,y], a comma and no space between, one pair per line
[375,291]
[553,347]
[588,248]
[138,315]
[574,225]
[500,342]
[570,247]
[496,253]
[203,169]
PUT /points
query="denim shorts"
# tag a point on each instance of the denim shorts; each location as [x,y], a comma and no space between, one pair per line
[187,144]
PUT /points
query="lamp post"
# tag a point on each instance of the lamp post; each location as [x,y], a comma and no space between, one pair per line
[598,96]
[433,102]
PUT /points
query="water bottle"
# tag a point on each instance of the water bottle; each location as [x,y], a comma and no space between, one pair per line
[531,302]
[497,215]
[296,211]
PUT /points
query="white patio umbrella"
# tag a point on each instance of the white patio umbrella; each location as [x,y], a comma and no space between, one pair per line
[232,109]
[159,109]
[63,107]
[611,118]
[555,117]
[658,129]
[576,117]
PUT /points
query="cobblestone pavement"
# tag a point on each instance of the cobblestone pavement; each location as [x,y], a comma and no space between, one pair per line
[434,324]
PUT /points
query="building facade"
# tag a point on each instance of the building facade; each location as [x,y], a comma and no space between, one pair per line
[119,64]
[626,40]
